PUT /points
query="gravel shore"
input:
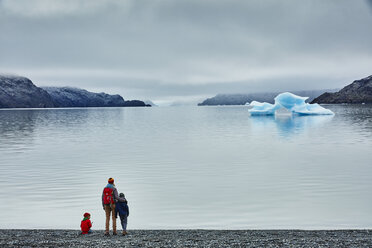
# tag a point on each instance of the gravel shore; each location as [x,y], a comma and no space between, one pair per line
[188,238]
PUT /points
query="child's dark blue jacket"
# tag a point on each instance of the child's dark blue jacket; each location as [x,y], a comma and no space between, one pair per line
[121,208]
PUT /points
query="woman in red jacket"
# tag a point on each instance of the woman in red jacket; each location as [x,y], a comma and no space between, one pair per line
[86,224]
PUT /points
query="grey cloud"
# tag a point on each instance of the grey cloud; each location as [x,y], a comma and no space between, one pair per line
[56,8]
[174,48]
[369,2]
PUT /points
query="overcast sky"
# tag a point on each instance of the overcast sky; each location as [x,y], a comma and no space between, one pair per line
[175,50]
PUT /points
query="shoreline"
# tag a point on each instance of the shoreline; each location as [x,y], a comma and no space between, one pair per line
[187,238]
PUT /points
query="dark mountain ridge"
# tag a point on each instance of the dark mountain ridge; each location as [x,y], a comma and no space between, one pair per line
[20,92]
[359,91]
[75,97]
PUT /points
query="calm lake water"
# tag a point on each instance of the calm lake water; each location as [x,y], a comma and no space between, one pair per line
[187,167]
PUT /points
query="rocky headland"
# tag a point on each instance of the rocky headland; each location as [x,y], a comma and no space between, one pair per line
[20,92]
[360,91]
[188,238]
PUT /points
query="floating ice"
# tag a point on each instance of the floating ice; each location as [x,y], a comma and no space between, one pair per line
[293,103]
[263,108]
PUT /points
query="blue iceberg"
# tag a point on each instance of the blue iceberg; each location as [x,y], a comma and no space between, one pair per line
[263,108]
[291,102]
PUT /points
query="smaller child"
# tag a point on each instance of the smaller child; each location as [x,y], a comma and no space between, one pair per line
[123,210]
[86,224]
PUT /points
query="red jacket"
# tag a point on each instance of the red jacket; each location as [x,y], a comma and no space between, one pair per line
[85,226]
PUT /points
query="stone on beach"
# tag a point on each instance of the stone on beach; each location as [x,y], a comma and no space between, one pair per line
[188,238]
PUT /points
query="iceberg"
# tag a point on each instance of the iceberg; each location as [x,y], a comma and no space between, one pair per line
[263,108]
[291,102]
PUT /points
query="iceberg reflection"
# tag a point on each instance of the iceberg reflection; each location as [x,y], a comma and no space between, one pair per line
[287,125]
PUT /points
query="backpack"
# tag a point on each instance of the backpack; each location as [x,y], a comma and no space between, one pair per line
[108,196]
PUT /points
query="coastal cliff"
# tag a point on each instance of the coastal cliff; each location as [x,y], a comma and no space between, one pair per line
[360,91]
[20,92]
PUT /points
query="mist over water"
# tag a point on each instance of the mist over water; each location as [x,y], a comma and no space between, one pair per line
[187,167]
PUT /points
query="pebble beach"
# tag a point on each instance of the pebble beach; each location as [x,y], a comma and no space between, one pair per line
[188,238]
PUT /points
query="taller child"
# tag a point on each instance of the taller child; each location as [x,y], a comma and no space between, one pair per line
[109,198]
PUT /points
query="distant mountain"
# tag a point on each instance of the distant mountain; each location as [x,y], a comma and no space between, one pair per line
[241,99]
[360,91]
[20,92]
[75,97]
[150,103]
[135,103]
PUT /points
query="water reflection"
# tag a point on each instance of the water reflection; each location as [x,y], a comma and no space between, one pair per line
[17,129]
[361,116]
[271,172]
[287,125]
